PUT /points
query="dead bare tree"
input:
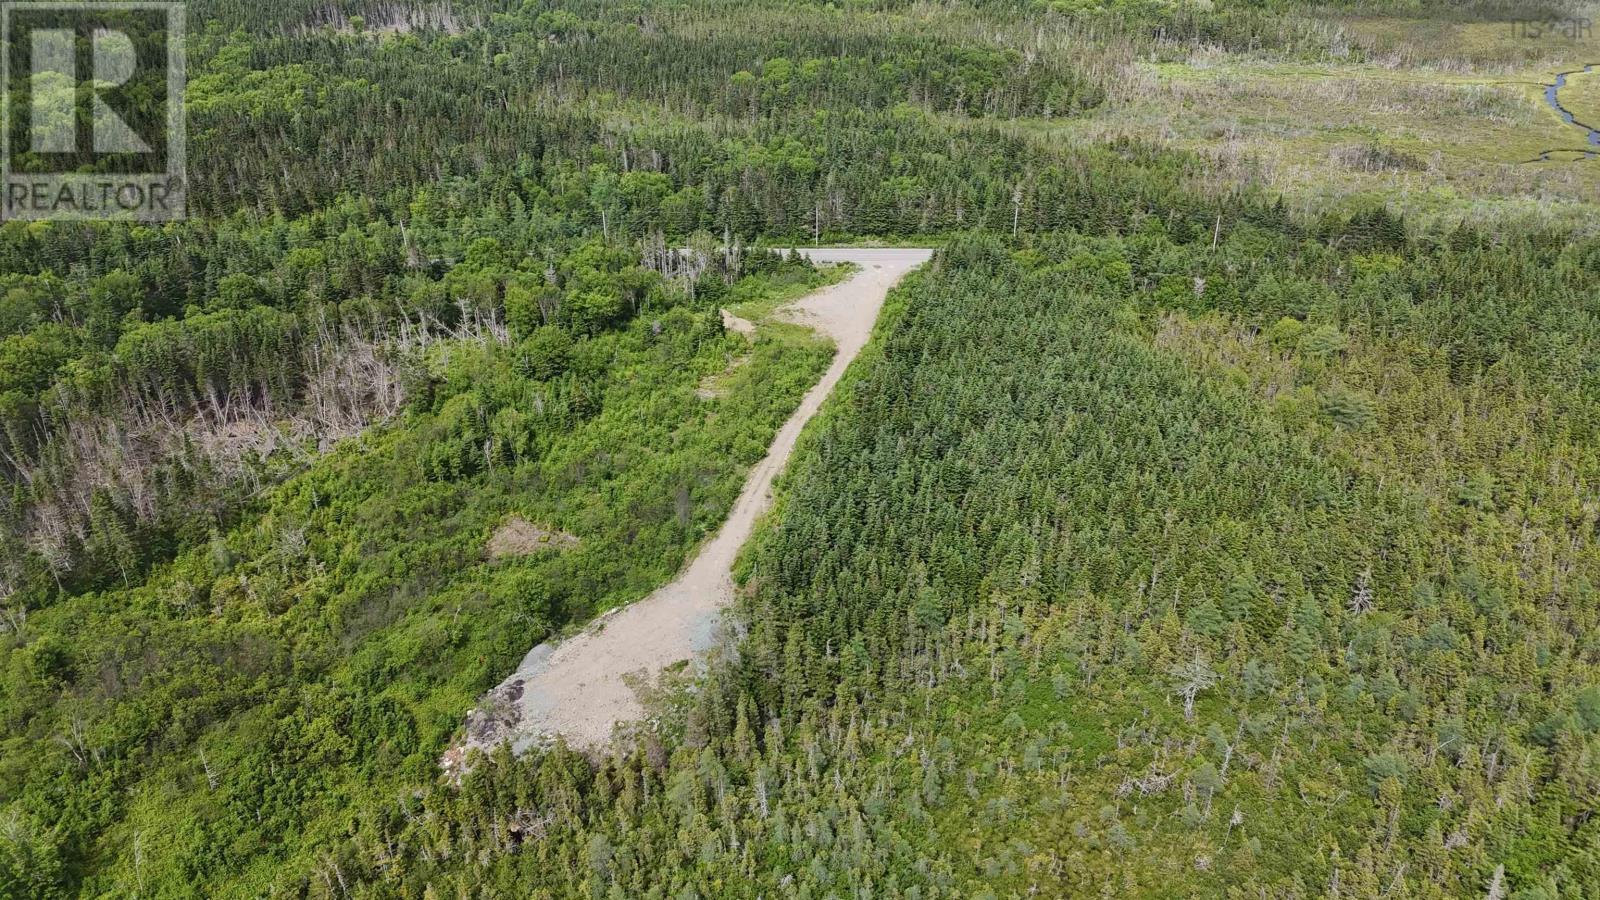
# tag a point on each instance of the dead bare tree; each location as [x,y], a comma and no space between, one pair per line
[1192,678]
[76,740]
[1497,884]
[1361,597]
[13,612]
[342,376]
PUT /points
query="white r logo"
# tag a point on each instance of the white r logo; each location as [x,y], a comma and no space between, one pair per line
[54,88]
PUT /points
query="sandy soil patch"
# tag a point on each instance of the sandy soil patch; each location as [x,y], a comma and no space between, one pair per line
[732,322]
[519,537]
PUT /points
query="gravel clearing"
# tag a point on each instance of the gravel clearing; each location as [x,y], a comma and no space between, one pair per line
[582,687]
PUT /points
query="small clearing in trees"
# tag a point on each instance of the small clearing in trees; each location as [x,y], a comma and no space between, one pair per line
[519,537]
[581,688]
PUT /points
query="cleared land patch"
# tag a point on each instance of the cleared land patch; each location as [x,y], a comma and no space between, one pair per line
[519,537]
[581,688]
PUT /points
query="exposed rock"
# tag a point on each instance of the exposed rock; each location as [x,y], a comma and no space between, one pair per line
[733,323]
[519,537]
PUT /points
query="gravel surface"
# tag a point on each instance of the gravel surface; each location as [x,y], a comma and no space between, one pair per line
[582,687]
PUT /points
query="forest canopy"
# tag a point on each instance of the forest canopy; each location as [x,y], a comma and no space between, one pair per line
[1181,532]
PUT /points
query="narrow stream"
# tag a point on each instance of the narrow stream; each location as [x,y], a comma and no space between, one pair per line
[1553,98]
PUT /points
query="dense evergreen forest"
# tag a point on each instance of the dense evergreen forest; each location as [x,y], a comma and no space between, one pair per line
[1178,535]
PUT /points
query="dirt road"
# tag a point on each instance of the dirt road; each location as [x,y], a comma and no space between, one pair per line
[579,688]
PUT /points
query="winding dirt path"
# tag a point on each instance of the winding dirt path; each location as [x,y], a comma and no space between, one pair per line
[580,688]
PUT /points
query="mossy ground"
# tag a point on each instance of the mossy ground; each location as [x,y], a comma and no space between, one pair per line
[1445,120]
